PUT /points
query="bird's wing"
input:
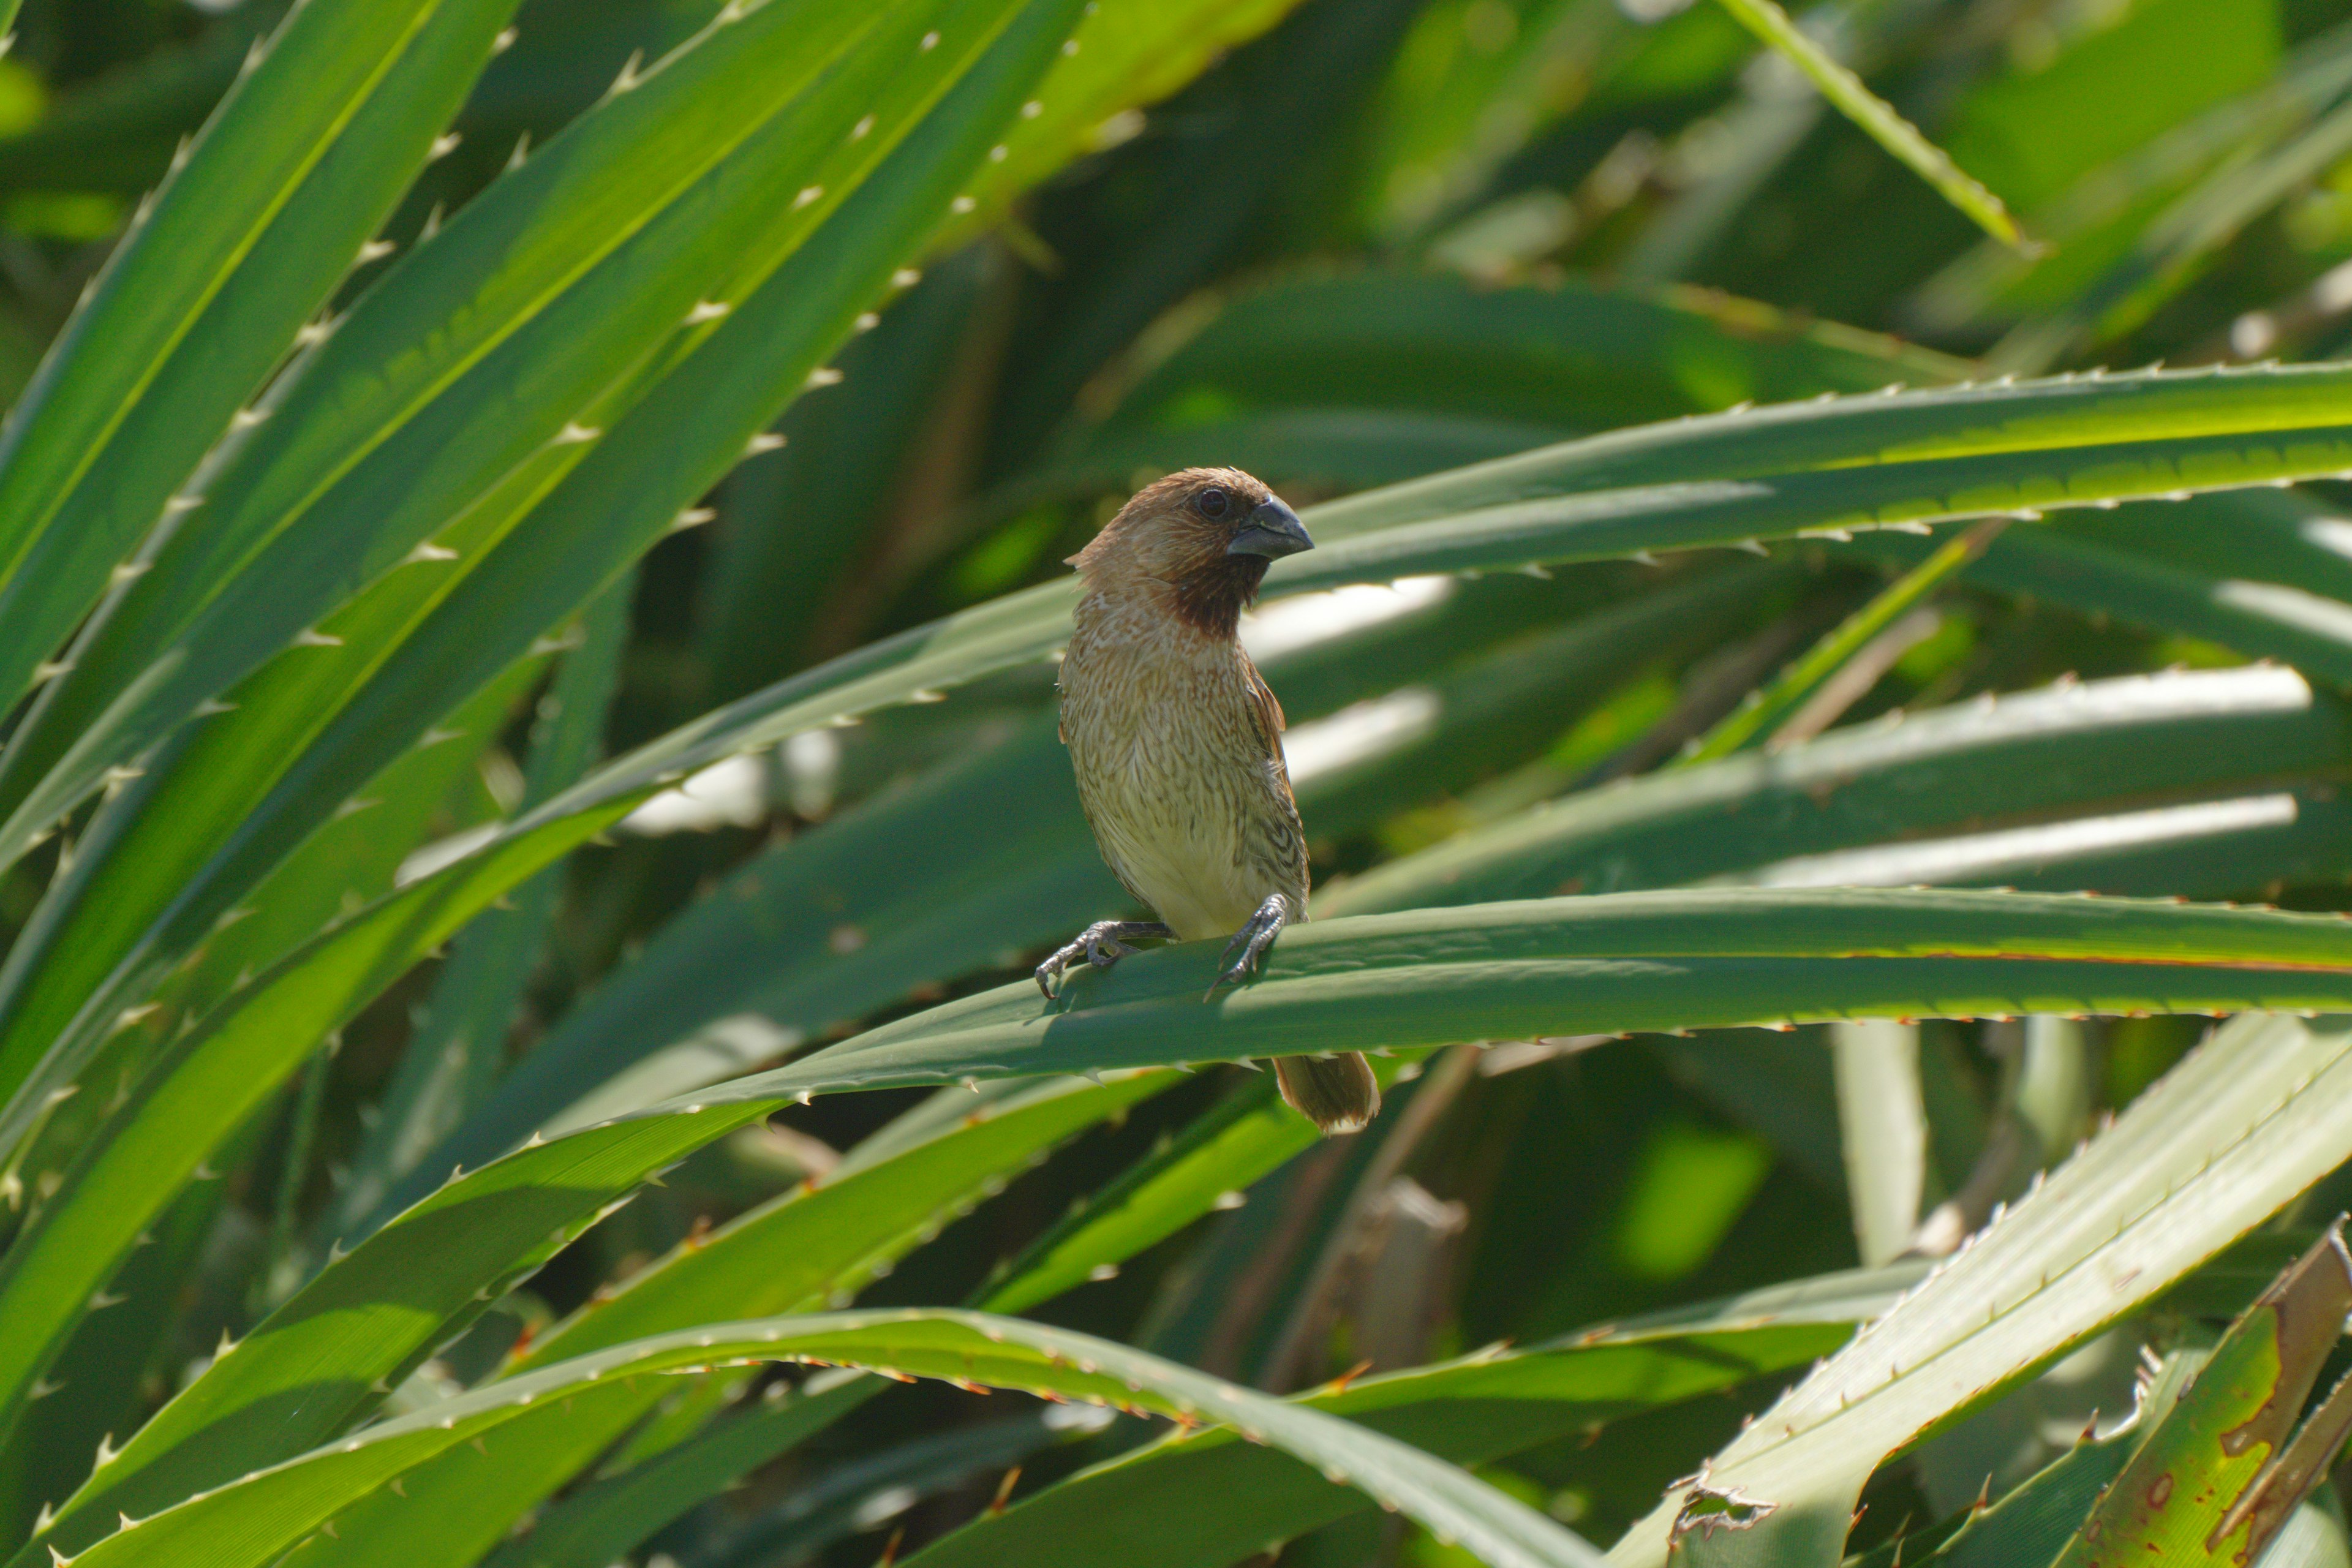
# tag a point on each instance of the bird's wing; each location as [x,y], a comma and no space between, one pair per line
[1265,717]
[1264,707]
[1278,839]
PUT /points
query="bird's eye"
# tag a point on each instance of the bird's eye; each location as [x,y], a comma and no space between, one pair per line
[1212,502]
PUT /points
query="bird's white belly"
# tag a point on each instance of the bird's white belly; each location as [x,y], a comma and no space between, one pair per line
[1168,813]
[1192,872]
[1173,769]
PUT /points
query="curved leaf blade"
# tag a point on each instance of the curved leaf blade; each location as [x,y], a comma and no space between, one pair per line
[1877,117]
[253,1521]
[990,854]
[454,625]
[1469,1411]
[1632,961]
[2235,1130]
[578,280]
[320,1353]
[601,1522]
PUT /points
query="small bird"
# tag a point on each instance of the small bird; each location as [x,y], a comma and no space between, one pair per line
[1177,746]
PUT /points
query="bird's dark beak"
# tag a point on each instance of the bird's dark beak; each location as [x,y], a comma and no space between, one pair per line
[1271,530]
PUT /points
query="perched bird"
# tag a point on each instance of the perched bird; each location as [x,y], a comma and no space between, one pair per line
[1176,744]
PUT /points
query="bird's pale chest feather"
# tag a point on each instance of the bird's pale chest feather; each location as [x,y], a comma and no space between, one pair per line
[1174,744]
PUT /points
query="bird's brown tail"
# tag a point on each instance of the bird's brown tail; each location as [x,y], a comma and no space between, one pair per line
[1339,1094]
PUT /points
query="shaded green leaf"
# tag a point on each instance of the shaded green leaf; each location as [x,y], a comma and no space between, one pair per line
[2177,1500]
[2211,1152]
[251,1520]
[459,1052]
[1470,1411]
[1916,789]
[1876,116]
[324,1351]
[333,115]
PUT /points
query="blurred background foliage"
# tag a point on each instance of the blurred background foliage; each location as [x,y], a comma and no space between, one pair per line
[1373,239]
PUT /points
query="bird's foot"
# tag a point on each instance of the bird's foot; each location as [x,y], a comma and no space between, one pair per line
[1257,934]
[1101,944]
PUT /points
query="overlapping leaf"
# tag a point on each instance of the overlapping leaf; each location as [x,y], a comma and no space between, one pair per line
[628,491]
[261,1515]
[323,1349]
[254,229]
[1469,1411]
[2227,1136]
[1648,962]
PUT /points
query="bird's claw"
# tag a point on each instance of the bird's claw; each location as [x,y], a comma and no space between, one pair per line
[1257,934]
[1101,944]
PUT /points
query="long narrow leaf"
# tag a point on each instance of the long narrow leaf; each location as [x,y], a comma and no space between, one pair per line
[2039,757]
[2225,1139]
[255,1520]
[991,855]
[815,1247]
[1889,129]
[599,1524]
[1651,962]
[581,275]
[1469,1411]
[479,615]
[251,234]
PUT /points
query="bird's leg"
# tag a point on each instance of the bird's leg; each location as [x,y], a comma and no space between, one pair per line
[1257,934]
[1101,944]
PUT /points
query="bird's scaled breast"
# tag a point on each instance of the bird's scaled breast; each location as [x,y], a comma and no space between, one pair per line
[1171,767]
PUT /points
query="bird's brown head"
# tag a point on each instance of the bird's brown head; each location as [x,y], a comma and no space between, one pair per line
[1201,539]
